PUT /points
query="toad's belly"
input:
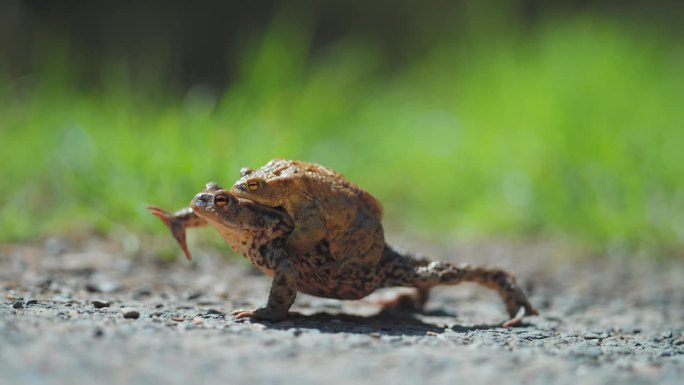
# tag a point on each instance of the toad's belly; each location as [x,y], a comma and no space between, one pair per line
[347,283]
[320,275]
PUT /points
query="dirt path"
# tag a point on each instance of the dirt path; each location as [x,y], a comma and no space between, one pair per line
[601,323]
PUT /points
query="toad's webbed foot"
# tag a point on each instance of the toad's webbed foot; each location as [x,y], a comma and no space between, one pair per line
[517,319]
[177,223]
[517,304]
[263,313]
[413,302]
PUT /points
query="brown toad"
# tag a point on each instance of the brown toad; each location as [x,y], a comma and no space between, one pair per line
[323,205]
[260,233]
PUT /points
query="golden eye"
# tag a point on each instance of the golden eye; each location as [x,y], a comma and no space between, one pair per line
[221,200]
[253,185]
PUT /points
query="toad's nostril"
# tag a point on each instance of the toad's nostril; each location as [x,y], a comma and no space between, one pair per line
[201,200]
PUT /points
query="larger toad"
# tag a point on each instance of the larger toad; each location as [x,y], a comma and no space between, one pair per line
[323,205]
[260,234]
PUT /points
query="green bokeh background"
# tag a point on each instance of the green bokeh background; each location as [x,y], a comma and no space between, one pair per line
[570,128]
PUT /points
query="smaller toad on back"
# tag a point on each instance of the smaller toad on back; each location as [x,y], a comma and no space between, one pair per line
[324,206]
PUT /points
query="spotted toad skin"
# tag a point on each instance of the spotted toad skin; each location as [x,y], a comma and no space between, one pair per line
[260,234]
[323,204]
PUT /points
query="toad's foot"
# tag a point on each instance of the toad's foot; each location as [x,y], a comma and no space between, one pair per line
[263,313]
[411,302]
[177,223]
[516,319]
[517,304]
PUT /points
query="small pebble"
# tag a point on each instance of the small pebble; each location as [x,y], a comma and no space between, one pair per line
[178,318]
[194,295]
[31,302]
[130,313]
[214,311]
[591,336]
[100,304]
[98,333]
[197,321]
[102,286]
[18,305]
[431,333]
[91,287]
[10,297]
[534,335]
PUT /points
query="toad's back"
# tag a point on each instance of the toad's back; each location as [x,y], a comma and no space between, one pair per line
[324,205]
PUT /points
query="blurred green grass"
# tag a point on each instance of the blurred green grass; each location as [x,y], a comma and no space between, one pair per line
[569,129]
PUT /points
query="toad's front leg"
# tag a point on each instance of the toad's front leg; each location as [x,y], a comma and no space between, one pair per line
[283,288]
[309,229]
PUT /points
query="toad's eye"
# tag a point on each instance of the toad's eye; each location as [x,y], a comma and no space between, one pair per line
[253,185]
[221,200]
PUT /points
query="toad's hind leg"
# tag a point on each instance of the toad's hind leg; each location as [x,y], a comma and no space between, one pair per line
[404,302]
[401,270]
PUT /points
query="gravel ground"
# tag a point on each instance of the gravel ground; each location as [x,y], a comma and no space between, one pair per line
[87,314]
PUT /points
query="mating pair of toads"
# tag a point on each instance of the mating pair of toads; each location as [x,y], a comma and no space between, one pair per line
[315,232]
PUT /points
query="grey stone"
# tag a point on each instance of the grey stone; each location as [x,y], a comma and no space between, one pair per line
[592,335]
[100,304]
[130,313]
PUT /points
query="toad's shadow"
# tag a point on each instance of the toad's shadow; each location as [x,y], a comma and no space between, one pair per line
[383,323]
